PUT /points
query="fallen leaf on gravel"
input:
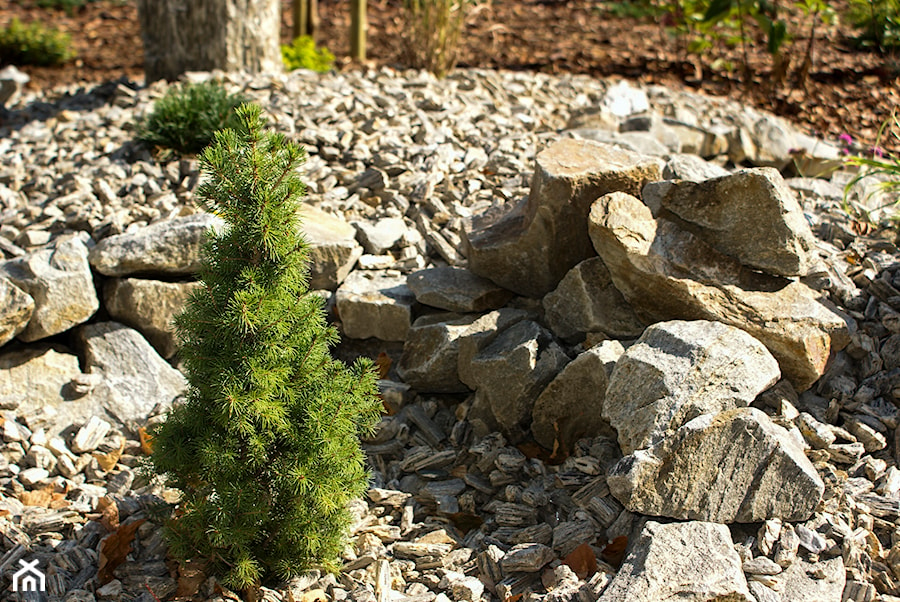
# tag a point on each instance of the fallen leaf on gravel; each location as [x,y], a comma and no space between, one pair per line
[146,441]
[614,553]
[191,576]
[114,548]
[582,561]
[44,498]
[109,513]
[108,461]
[383,361]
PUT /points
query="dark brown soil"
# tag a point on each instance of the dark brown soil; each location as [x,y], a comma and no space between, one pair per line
[847,91]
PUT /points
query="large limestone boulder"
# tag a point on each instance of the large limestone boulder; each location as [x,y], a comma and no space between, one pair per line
[528,248]
[571,407]
[136,380]
[693,561]
[512,371]
[751,215]
[586,301]
[333,249]
[149,306]
[735,466]
[431,353]
[679,370]
[58,278]
[456,289]
[167,247]
[35,376]
[375,303]
[16,307]
[666,273]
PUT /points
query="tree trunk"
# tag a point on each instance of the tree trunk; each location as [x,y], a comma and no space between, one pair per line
[201,35]
[358,27]
[306,18]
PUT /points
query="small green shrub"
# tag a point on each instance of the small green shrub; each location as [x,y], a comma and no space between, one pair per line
[33,45]
[303,54]
[433,28]
[877,163]
[879,22]
[188,116]
[266,447]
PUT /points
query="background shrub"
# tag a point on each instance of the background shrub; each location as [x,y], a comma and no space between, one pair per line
[188,116]
[33,44]
[879,22]
[303,54]
[433,28]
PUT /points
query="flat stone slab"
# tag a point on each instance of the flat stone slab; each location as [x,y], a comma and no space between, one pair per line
[680,561]
[375,303]
[16,307]
[679,370]
[735,466]
[333,250]
[456,289]
[430,357]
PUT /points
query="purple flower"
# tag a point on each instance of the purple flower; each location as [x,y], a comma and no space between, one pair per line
[877,151]
[847,139]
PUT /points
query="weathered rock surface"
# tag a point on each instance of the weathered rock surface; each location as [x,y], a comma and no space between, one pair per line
[456,289]
[586,301]
[679,370]
[571,406]
[431,353]
[736,466]
[16,307]
[333,250]
[479,335]
[821,581]
[35,377]
[375,304]
[751,215]
[530,247]
[512,371]
[166,247]
[382,236]
[668,273]
[149,306]
[59,280]
[135,378]
[680,561]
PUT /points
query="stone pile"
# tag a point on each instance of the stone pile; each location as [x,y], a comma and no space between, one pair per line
[645,376]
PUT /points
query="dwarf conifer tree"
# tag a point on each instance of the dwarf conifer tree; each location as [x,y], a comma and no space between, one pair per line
[265,448]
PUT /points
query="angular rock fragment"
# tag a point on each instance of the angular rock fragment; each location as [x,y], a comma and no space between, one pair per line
[680,561]
[679,370]
[529,247]
[456,289]
[736,466]
[667,273]
[571,406]
[587,301]
[750,215]
[149,306]
[333,250]
[58,279]
[166,247]
[375,304]
[35,377]
[16,307]
[430,357]
[479,335]
[821,581]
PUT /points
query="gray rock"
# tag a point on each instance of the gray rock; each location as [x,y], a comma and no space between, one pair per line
[586,301]
[382,236]
[333,250]
[137,380]
[571,406]
[667,273]
[166,247]
[479,335]
[691,168]
[59,280]
[622,99]
[800,585]
[375,304]
[526,557]
[683,561]
[679,370]
[512,371]
[431,353]
[529,247]
[16,307]
[750,468]
[11,83]
[750,215]
[149,306]
[36,377]
[456,289]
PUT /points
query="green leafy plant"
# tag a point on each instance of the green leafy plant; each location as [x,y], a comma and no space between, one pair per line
[303,54]
[266,447]
[879,21]
[876,164]
[433,28]
[188,116]
[67,5]
[33,44]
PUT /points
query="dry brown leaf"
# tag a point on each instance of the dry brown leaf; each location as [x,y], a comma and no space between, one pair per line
[614,552]
[582,561]
[39,498]
[191,575]
[4,512]
[114,548]
[108,461]
[383,362]
[146,441]
[109,513]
